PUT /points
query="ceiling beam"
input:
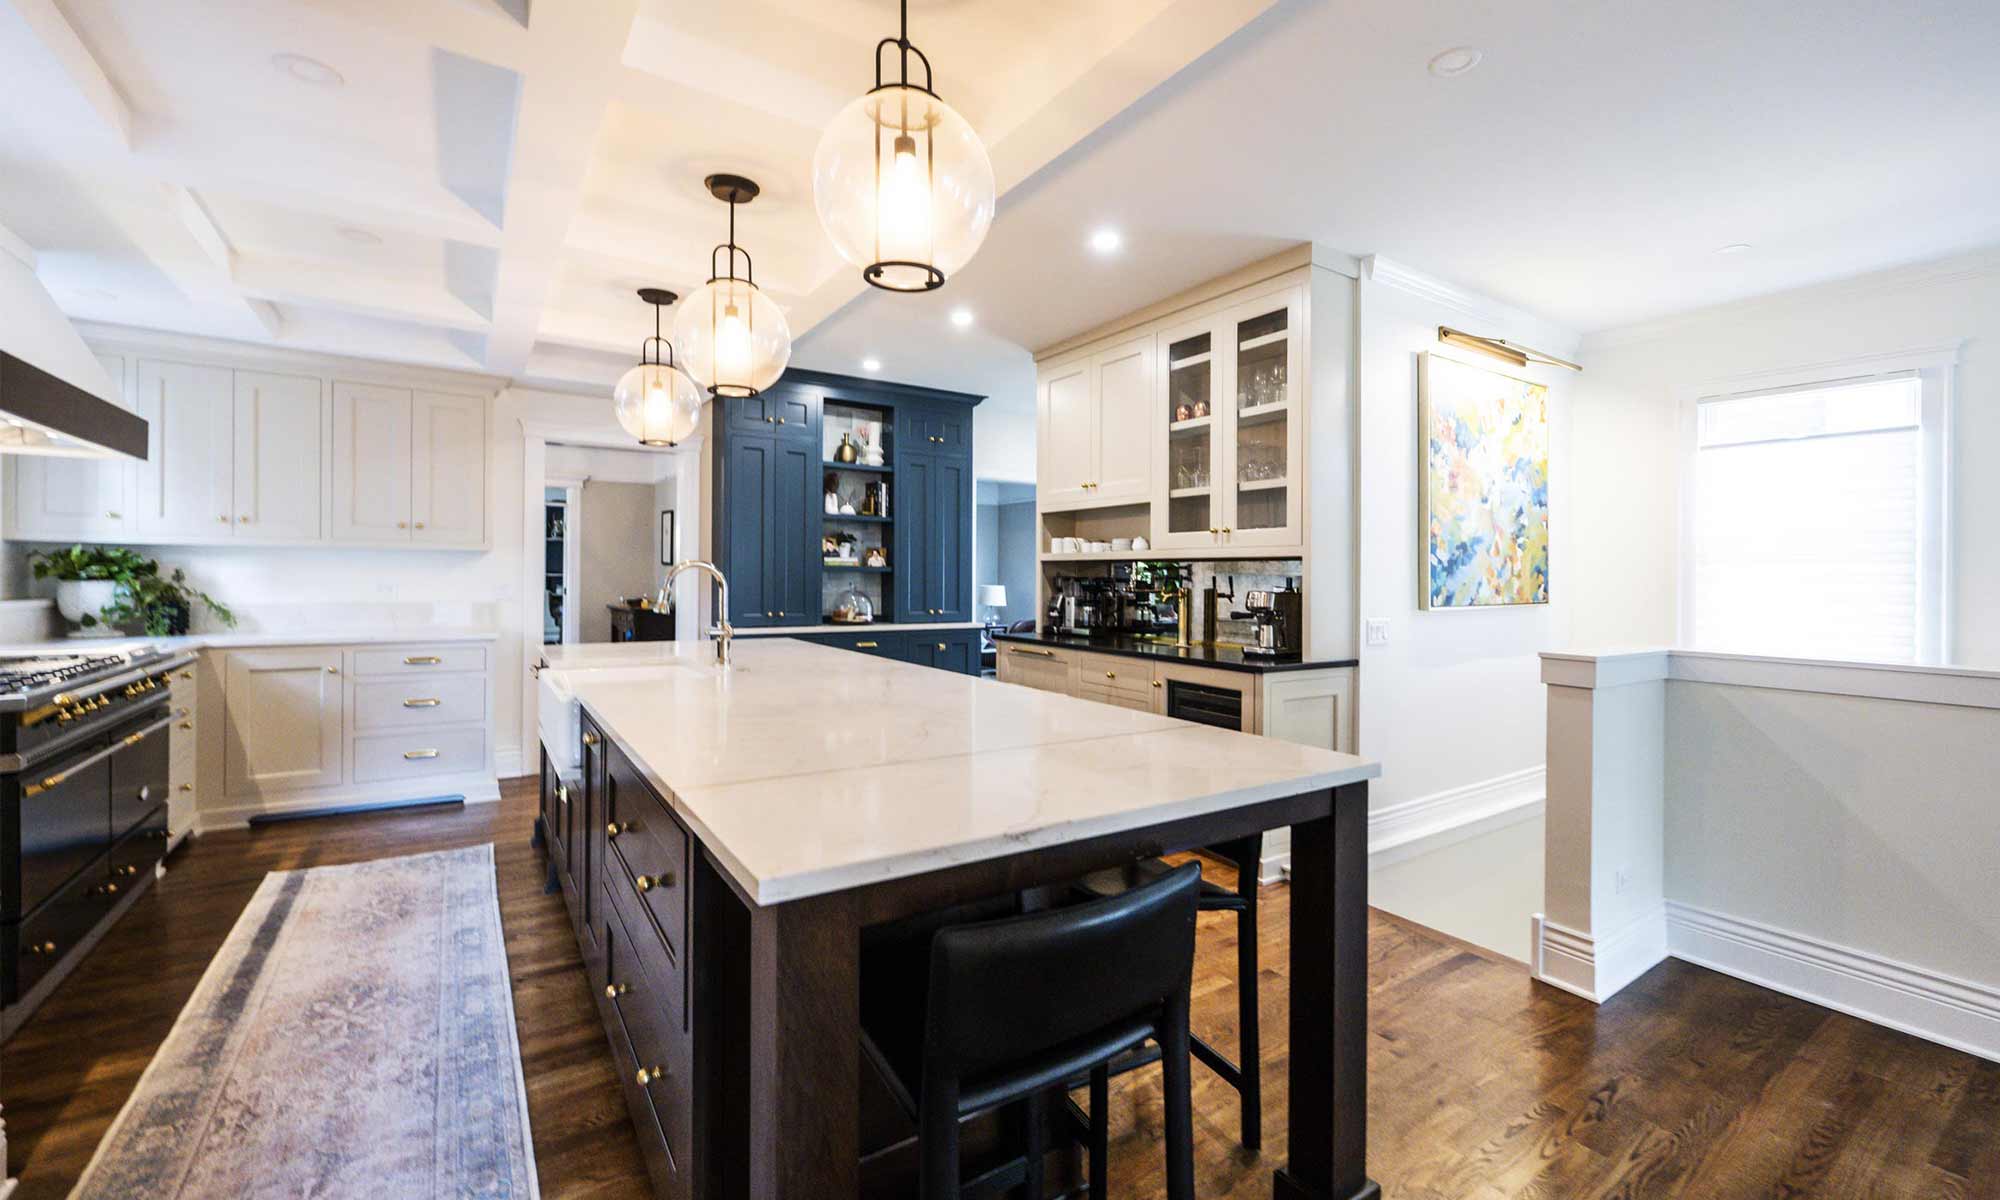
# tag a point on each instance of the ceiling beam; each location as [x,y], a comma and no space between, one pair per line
[56,35]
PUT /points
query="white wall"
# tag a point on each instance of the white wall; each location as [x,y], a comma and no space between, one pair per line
[1629,453]
[1003,435]
[1455,698]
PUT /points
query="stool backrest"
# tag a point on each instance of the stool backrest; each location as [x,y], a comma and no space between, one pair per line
[1008,990]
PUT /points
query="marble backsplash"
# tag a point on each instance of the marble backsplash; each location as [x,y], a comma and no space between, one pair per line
[1232,576]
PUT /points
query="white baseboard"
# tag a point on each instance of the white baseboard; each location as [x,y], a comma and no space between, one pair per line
[1403,831]
[1592,967]
[1939,1008]
[507,762]
[236,812]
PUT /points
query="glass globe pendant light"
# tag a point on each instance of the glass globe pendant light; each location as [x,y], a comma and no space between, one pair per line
[733,338]
[655,401]
[902,184]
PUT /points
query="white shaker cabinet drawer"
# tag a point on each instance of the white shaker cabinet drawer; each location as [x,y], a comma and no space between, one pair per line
[415,753]
[419,702]
[416,660]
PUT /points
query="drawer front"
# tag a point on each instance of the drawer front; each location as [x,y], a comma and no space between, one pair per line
[1140,701]
[1037,667]
[420,702]
[140,850]
[418,753]
[65,825]
[886,644]
[646,1038]
[1107,672]
[415,660]
[52,932]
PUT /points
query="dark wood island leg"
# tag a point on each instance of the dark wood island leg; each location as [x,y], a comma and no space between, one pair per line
[805,1050]
[1327,1134]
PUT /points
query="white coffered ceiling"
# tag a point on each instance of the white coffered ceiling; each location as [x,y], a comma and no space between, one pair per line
[484,183]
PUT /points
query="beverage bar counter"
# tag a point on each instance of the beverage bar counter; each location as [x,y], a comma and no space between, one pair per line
[1227,658]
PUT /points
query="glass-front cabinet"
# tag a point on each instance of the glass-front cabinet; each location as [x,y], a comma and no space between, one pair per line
[1231,415]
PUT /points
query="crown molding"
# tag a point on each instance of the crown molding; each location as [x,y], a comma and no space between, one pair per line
[1376,268]
[1931,273]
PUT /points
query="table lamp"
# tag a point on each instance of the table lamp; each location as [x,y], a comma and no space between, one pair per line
[993,596]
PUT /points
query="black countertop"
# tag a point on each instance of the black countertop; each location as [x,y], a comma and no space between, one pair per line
[1226,658]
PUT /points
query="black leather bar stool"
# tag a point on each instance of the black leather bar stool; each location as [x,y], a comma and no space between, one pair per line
[1016,1007]
[1245,854]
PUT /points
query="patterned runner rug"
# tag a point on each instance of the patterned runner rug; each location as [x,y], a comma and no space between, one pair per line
[354,1037]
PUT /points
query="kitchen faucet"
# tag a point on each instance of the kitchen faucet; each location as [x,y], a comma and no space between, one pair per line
[721,629]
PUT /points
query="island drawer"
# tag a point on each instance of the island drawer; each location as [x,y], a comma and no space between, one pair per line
[416,660]
[646,860]
[655,1063]
[657,913]
[419,703]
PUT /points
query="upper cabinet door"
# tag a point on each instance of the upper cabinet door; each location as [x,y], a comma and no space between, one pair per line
[913,562]
[1263,410]
[948,526]
[280,428]
[448,469]
[74,497]
[1123,380]
[792,575]
[1068,431]
[371,463]
[1184,415]
[185,486]
[747,530]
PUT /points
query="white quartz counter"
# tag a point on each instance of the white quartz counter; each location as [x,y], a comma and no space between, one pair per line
[247,639]
[808,769]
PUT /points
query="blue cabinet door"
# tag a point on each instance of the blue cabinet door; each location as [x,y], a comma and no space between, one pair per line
[934,428]
[785,411]
[792,573]
[913,540]
[954,650]
[747,528]
[949,577]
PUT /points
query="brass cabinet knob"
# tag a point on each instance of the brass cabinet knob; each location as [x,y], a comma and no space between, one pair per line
[614,828]
[420,524]
[647,883]
[1213,530]
[402,524]
[187,787]
[1156,683]
[128,870]
[649,1075]
[106,889]
[224,518]
[614,990]
[562,794]
[187,674]
[940,645]
[245,518]
[41,949]
[1227,529]
[114,516]
[590,739]
[1111,674]
[333,670]
[187,724]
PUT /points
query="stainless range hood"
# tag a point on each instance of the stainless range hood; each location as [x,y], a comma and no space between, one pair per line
[41,414]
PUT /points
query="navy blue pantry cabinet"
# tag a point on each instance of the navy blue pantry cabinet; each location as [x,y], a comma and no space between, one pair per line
[770,456]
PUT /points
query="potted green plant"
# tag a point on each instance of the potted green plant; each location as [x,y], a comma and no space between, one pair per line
[100,588]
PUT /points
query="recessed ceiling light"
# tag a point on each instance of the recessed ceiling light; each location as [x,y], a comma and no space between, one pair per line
[1733,248]
[307,70]
[962,317]
[360,237]
[1105,241]
[871,364]
[1455,61]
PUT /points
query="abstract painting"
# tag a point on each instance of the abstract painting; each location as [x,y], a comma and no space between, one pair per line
[1485,486]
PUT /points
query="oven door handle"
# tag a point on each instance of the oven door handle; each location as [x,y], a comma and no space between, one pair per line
[90,760]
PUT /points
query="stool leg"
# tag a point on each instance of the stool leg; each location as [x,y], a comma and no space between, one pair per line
[1100,1130]
[1249,1050]
[937,1140]
[1176,1079]
[1034,1187]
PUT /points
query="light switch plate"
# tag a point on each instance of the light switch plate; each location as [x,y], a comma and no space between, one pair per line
[1378,631]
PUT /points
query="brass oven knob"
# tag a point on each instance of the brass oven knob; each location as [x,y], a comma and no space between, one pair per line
[43,949]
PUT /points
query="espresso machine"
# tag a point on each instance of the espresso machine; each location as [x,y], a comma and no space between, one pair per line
[1280,621]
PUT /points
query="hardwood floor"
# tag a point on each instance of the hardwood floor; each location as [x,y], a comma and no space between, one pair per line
[1483,1084]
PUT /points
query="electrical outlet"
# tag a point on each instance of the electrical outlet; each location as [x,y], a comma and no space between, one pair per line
[1378,631]
[1620,880]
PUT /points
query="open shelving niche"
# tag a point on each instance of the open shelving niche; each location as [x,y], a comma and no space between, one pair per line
[868,426]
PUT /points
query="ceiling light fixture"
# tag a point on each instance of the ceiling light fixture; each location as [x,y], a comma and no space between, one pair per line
[902,183]
[871,364]
[1106,241]
[962,317]
[1455,61]
[655,401]
[733,338]
[308,70]
[1733,248]
[360,237]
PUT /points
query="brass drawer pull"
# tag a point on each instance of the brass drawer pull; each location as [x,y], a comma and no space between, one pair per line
[614,990]
[646,883]
[1040,653]
[422,702]
[420,754]
[866,645]
[590,739]
[43,949]
[187,725]
[650,1075]
[421,660]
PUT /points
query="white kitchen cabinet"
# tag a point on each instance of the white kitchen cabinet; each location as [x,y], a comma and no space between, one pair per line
[186,485]
[448,469]
[73,499]
[1091,410]
[286,715]
[371,463]
[280,423]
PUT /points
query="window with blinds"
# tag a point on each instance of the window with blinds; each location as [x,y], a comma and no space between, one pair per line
[1809,535]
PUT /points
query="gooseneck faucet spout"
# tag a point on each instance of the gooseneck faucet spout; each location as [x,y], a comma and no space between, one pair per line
[721,630]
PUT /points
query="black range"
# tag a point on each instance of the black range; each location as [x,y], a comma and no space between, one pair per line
[1226,658]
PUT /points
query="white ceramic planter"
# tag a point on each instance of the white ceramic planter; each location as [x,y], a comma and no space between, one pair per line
[78,598]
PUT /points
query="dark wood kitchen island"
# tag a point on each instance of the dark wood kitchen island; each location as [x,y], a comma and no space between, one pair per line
[725,838]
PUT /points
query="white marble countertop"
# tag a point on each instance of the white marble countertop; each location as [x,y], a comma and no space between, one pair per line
[230,639]
[807,769]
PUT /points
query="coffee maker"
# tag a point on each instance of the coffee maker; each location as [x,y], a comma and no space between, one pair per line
[1280,618]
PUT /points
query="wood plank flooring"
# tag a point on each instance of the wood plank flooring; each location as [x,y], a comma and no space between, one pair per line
[1484,1085]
